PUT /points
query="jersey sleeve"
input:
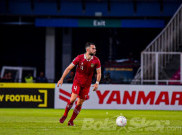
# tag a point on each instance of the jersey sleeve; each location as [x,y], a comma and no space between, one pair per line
[98,66]
[75,61]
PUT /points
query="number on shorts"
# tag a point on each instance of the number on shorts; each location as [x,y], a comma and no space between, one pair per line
[75,87]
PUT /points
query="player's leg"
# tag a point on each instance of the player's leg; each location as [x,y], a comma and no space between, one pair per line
[74,95]
[68,107]
[82,96]
[76,111]
[70,103]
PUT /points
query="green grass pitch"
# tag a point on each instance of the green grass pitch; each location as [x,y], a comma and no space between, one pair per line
[89,122]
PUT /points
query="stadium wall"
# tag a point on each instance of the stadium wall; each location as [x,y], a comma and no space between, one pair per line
[132,97]
[25,95]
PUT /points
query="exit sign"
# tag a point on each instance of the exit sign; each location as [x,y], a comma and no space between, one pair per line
[99,23]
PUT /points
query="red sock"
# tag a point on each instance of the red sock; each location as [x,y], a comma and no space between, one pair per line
[75,112]
[68,107]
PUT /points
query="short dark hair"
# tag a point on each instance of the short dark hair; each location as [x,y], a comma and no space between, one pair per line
[88,44]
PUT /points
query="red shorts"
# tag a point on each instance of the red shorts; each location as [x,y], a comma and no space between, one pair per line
[82,92]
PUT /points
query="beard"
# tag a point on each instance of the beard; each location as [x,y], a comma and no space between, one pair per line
[92,54]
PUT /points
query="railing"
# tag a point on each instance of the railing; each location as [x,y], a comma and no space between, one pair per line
[155,71]
[166,44]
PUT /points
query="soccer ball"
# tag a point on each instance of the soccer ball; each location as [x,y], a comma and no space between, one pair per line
[121,121]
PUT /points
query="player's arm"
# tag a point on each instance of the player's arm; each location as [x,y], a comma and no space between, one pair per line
[98,79]
[66,71]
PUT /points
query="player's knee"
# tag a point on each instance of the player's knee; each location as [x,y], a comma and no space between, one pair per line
[72,100]
[79,103]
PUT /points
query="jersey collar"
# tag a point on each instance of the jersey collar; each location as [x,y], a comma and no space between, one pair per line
[87,59]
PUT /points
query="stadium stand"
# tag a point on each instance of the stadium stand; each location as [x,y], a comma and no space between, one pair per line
[162,54]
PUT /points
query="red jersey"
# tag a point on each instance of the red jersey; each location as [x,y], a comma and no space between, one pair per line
[85,69]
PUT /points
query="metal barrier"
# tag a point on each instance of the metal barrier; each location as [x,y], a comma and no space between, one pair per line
[154,65]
